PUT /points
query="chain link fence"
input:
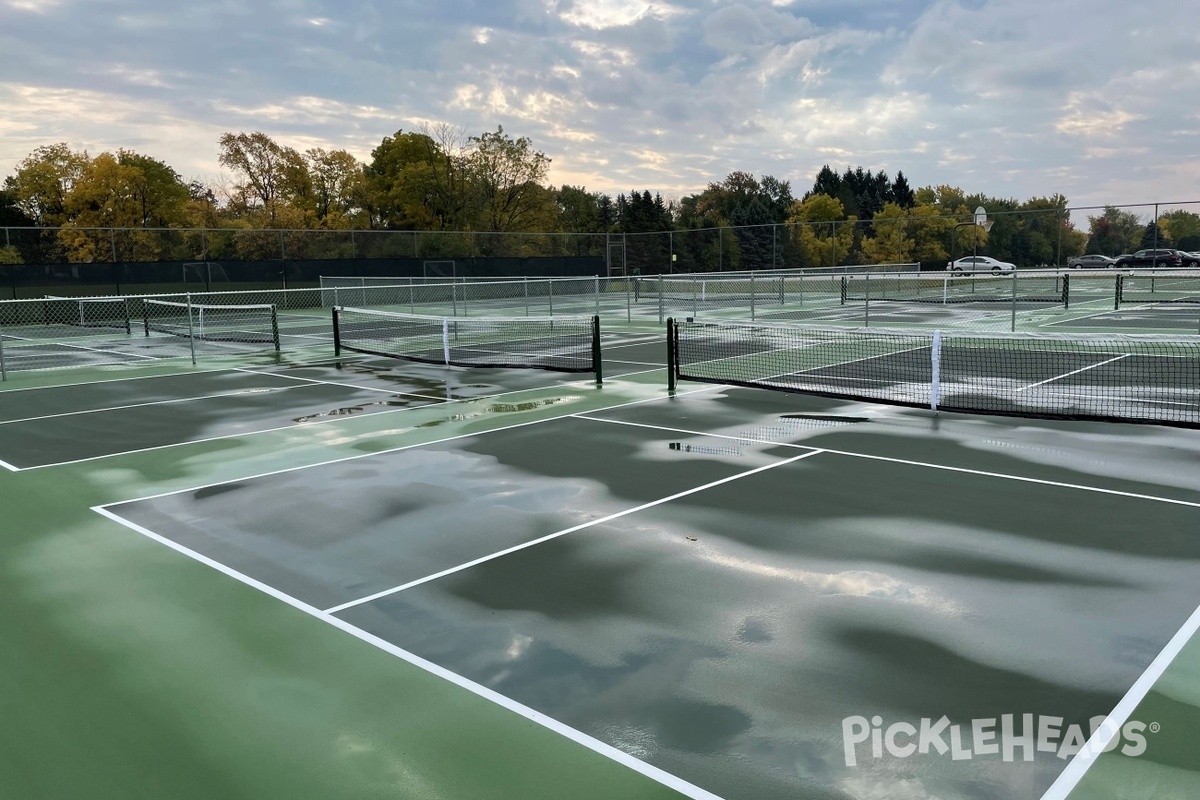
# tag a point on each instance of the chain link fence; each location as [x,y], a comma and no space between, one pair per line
[53,332]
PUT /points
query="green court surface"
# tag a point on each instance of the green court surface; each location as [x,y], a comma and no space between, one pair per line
[363,577]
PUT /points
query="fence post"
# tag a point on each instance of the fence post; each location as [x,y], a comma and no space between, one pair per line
[752,305]
[660,299]
[596,282]
[628,300]
[550,293]
[867,300]
[3,366]
[1013,325]
[282,260]
[525,280]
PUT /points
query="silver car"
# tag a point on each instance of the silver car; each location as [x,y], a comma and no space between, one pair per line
[1092,261]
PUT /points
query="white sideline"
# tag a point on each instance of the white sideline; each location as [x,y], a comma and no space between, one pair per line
[564,532]
[230,393]
[904,461]
[595,745]
[299,426]
[1074,372]
[357,456]
[1070,777]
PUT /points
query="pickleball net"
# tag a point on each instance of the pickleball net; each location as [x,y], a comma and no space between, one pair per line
[562,344]
[1118,378]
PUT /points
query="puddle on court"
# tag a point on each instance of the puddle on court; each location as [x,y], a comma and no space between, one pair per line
[397,401]
[500,408]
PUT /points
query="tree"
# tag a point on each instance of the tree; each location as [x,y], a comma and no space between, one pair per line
[403,191]
[158,191]
[1154,236]
[891,243]
[10,213]
[272,176]
[901,193]
[505,176]
[43,180]
[1182,227]
[338,185]
[825,234]
[1113,232]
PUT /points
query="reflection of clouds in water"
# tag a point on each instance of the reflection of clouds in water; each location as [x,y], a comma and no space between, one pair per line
[859,584]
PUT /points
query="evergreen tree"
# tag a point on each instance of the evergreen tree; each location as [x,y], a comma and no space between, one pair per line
[1154,236]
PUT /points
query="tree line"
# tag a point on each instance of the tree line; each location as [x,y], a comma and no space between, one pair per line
[441,179]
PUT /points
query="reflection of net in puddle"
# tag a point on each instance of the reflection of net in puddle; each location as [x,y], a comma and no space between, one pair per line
[706,449]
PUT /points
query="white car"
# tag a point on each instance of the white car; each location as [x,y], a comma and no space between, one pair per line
[968,264]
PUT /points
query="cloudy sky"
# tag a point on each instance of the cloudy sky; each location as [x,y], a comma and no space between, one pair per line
[1097,99]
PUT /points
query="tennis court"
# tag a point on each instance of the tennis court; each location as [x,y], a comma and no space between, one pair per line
[356,575]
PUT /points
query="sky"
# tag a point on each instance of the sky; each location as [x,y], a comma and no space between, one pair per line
[1096,99]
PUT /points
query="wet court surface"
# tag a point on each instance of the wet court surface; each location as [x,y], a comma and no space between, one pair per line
[712,583]
[54,425]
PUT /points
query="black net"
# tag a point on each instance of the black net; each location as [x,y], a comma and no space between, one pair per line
[564,344]
[245,324]
[1163,288]
[87,312]
[946,288]
[1117,378]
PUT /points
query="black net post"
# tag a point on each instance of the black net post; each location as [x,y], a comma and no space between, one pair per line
[596,350]
[1120,290]
[275,328]
[843,290]
[1066,291]
[337,334]
[672,361]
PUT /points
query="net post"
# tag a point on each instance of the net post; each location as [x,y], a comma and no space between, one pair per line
[550,294]
[596,287]
[337,333]
[596,359]
[446,340]
[275,327]
[628,302]
[3,365]
[1066,291]
[935,381]
[843,290]
[695,301]
[191,329]
[672,348]
[1119,289]
[781,290]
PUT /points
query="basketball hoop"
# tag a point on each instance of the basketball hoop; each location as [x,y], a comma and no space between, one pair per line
[987,226]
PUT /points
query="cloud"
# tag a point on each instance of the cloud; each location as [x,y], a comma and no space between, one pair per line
[1002,97]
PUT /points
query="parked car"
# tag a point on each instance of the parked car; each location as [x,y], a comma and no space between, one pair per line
[1092,261]
[968,264]
[1150,258]
[1190,260]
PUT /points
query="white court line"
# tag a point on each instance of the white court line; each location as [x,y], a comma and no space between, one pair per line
[9,466]
[53,343]
[638,363]
[593,744]
[1070,777]
[229,393]
[1074,372]
[345,458]
[116,380]
[904,461]
[343,385]
[298,426]
[564,532]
